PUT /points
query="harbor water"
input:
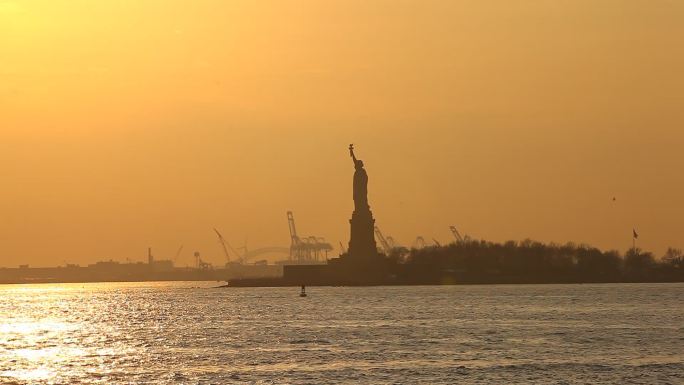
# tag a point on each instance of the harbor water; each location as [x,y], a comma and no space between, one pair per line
[196,333]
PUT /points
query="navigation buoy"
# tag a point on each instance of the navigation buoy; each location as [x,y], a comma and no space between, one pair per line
[303,292]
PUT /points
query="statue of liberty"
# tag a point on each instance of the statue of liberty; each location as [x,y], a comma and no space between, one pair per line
[362,244]
[360,183]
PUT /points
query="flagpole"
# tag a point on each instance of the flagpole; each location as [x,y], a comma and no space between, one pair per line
[634,238]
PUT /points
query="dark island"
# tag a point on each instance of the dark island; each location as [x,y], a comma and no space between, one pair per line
[482,262]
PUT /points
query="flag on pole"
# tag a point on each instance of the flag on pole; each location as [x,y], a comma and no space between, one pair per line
[634,234]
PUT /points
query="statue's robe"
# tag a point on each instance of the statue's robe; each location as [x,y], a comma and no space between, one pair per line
[360,189]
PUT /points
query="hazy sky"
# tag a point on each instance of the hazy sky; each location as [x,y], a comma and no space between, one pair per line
[128,124]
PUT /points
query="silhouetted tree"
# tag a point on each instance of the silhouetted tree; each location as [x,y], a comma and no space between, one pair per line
[638,262]
[673,257]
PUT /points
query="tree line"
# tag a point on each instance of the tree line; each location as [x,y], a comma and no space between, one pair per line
[535,262]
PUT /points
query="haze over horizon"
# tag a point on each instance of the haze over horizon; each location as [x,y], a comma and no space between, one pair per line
[510,120]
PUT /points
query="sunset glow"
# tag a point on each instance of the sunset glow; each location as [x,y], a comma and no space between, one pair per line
[128,124]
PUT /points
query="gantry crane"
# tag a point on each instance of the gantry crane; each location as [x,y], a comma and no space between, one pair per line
[295,242]
[306,249]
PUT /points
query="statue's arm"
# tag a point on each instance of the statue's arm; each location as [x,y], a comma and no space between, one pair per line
[351,152]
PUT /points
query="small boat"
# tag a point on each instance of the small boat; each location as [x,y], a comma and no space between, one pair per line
[303,292]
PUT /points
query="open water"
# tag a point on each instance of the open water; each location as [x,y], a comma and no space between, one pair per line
[191,333]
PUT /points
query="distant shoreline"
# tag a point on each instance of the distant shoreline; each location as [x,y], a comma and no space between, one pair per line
[466,262]
[48,282]
[223,284]
[110,271]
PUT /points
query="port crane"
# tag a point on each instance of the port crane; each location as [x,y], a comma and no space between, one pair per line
[226,246]
[200,263]
[383,241]
[456,234]
[175,258]
[303,249]
[246,254]
[295,242]
[419,243]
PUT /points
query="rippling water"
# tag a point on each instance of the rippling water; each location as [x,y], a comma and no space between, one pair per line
[190,333]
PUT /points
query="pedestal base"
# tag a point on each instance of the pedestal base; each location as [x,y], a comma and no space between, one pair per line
[362,240]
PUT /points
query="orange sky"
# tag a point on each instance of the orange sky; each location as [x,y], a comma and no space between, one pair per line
[125,124]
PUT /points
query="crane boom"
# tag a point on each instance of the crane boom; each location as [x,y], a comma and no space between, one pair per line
[457,235]
[178,253]
[293,229]
[224,244]
[383,241]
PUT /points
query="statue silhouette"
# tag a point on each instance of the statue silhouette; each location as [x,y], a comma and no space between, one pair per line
[360,183]
[362,244]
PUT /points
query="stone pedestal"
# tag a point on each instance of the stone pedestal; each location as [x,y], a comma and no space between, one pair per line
[362,242]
